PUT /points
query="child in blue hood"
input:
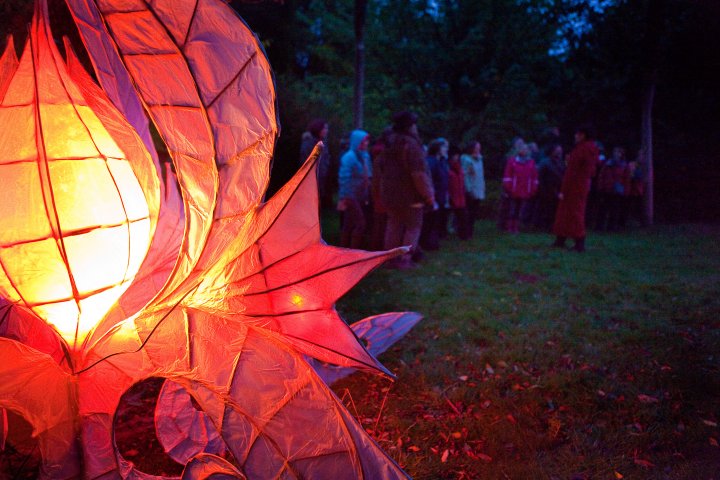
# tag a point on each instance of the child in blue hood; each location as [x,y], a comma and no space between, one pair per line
[354,189]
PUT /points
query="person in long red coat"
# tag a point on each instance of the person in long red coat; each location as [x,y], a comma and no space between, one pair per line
[570,216]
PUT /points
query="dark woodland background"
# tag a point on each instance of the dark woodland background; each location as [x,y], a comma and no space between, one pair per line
[482,69]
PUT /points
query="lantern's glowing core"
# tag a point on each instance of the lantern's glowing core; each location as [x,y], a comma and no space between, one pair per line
[76,224]
[71,273]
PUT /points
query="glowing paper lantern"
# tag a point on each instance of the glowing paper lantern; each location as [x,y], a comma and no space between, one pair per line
[233,295]
[76,222]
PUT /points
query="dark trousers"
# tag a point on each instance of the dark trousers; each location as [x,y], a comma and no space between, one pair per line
[503,205]
[460,222]
[429,237]
[516,207]
[472,210]
[353,225]
[377,231]
[434,228]
[611,211]
[635,209]
[545,213]
[403,227]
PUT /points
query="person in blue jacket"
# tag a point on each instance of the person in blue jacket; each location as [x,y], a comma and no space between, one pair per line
[354,189]
[435,221]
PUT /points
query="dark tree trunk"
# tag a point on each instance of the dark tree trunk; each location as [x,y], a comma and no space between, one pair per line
[358,98]
[655,19]
[646,149]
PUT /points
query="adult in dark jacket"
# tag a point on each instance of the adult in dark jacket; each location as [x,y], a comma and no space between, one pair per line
[550,175]
[405,185]
[435,221]
[570,217]
[317,131]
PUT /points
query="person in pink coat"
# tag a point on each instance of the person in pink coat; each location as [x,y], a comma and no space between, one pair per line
[520,183]
[570,216]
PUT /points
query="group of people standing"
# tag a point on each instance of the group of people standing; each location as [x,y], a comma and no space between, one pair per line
[393,192]
[402,194]
[458,179]
[569,193]
[617,192]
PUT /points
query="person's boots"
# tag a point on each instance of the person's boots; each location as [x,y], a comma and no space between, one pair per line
[559,242]
[579,245]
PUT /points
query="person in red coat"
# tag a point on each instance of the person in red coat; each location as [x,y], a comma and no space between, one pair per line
[570,216]
[520,183]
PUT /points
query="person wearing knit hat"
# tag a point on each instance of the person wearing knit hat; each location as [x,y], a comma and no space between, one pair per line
[405,186]
[404,121]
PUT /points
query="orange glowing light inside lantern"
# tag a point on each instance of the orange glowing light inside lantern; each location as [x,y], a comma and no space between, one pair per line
[297,300]
[72,273]
[75,221]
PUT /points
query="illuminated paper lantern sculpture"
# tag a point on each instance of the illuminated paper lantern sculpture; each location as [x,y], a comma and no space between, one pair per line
[76,223]
[113,272]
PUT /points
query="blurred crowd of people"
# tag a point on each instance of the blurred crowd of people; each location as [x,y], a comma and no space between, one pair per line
[394,191]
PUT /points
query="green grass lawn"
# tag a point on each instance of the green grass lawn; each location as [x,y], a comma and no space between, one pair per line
[535,363]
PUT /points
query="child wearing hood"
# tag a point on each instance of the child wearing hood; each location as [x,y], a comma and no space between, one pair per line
[354,189]
[520,182]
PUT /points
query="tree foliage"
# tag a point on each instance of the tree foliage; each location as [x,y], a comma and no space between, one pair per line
[495,69]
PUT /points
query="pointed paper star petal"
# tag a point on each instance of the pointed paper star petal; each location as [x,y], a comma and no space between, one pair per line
[291,286]
[378,333]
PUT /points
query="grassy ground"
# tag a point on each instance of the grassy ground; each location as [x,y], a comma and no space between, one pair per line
[531,363]
[535,363]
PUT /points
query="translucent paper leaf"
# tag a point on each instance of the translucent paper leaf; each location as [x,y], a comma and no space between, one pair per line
[185,431]
[8,64]
[210,467]
[157,265]
[378,333]
[215,107]
[182,430]
[20,324]
[24,372]
[263,389]
[112,75]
